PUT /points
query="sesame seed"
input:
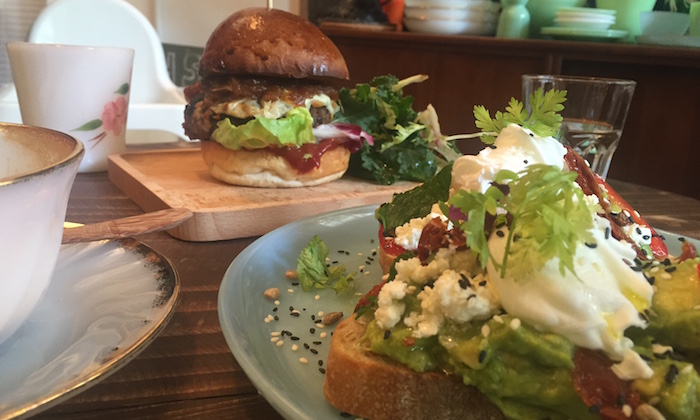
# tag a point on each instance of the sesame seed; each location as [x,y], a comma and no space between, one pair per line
[276,318]
[607,233]
[317,297]
[319,325]
[482,356]
[514,324]
[312,330]
[387,334]
[303,360]
[274,339]
[671,374]
[485,330]
[317,343]
[323,334]
[277,302]
[687,369]
[359,254]
[290,290]
[591,245]
[275,333]
[280,343]
[314,351]
[322,370]
[294,338]
[665,276]
[500,233]
[306,346]
[627,410]
[366,273]
[320,313]
[295,347]
[498,319]
[670,269]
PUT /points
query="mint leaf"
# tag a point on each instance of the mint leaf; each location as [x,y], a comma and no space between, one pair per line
[415,202]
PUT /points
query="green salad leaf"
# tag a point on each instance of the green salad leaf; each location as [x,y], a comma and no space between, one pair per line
[313,273]
[415,202]
[294,129]
[544,120]
[406,146]
[547,215]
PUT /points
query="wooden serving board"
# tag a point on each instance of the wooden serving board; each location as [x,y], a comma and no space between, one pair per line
[158,179]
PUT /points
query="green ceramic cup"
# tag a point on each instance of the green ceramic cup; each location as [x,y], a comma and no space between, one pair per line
[628,14]
[694,19]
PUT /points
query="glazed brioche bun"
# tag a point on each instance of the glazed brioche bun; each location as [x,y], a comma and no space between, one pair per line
[262,168]
[368,385]
[270,42]
[263,63]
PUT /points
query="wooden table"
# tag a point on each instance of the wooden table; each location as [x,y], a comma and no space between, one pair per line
[188,371]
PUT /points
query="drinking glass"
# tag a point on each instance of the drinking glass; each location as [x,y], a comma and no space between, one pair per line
[594,113]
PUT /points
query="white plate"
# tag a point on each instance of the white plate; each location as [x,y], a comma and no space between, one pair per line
[294,389]
[106,302]
[584,34]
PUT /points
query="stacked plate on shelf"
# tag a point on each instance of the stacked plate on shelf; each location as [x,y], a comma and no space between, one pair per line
[584,23]
[463,17]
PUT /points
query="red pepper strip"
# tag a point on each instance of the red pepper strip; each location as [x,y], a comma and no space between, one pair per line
[599,388]
[364,300]
[658,246]
[688,251]
[387,243]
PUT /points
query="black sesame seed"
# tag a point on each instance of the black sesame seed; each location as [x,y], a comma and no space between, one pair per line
[313,317]
[291,308]
[482,283]
[525,161]
[295,283]
[651,280]
[607,233]
[500,233]
[638,230]
[682,239]
[636,268]
[646,237]
[592,246]
[306,346]
[317,343]
[294,314]
[320,362]
[645,357]
[671,374]
[642,316]
[335,262]
[491,146]
[670,269]
[294,338]
[387,334]
[347,415]
[314,351]
[482,356]
[274,309]
[370,258]
[340,251]
[312,330]
[277,318]
[322,370]
[666,262]
[374,253]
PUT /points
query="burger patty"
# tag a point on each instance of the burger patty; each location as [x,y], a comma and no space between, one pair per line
[206,97]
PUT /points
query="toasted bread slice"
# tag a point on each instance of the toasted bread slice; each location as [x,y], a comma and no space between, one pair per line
[371,386]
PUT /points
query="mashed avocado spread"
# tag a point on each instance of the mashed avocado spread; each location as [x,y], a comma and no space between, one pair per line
[528,373]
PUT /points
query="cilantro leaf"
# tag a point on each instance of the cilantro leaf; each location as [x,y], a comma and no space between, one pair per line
[544,119]
[548,217]
[313,272]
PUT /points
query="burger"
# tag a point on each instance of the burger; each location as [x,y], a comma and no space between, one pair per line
[264,105]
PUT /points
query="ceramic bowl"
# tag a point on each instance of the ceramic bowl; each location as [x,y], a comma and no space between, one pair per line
[453,4]
[542,12]
[628,14]
[664,23]
[451,26]
[449,14]
[37,170]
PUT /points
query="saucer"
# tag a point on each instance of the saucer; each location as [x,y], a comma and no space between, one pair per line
[584,34]
[106,302]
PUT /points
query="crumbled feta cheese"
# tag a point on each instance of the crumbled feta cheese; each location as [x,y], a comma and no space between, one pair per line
[389,305]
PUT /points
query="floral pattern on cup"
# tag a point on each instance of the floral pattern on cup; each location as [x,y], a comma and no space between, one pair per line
[113,117]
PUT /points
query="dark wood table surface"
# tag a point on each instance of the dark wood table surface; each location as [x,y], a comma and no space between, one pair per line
[188,370]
